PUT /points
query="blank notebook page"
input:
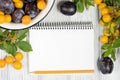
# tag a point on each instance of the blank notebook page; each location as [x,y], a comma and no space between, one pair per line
[61,50]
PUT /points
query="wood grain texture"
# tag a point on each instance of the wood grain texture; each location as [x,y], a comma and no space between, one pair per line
[9,73]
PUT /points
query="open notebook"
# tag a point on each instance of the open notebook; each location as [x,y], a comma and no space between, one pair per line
[62,48]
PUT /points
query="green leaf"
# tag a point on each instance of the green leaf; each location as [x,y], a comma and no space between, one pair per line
[75,1]
[1,32]
[113,56]
[90,2]
[112,30]
[80,6]
[109,2]
[25,46]
[5,44]
[108,52]
[22,34]
[105,46]
[2,38]
[5,32]
[13,33]
[87,6]
[118,1]
[10,48]
[1,46]
[116,43]
[22,37]
[118,20]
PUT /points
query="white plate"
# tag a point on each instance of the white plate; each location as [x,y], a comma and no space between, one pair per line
[40,17]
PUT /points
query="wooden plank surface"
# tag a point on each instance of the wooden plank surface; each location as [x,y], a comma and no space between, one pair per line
[9,73]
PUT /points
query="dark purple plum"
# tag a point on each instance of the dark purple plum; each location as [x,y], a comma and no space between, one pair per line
[105,65]
[7,6]
[28,1]
[31,9]
[68,8]
[17,15]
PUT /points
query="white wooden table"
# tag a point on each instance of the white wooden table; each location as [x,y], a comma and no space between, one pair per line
[9,73]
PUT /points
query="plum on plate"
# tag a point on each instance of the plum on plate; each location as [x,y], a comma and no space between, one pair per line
[31,9]
[17,15]
[7,6]
[28,1]
[105,65]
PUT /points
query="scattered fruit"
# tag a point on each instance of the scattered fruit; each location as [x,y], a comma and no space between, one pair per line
[68,8]
[26,19]
[17,65]
[2,63]
[9,60]
[19,56]
[12,60]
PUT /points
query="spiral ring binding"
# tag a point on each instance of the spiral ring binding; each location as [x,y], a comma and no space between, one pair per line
[62,25]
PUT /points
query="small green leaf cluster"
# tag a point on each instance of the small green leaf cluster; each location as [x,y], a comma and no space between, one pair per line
[82,4]
[11,40]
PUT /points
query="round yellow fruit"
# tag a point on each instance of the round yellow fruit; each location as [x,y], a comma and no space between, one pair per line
[113,24]
[17,65]
[19,4]
[101,6]
[106,18]
[104,11]
[107,32]
[41,4]
[2,63]
[8,18]
[97,1]
[116,34]
[102,23]
[9,60]
[1,13]
[16,0]
[104,39]
[26,19]
[19,56]
[2,19]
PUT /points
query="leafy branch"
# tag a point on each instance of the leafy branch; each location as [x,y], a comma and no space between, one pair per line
[82,4]
[114,40]
[11,40]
